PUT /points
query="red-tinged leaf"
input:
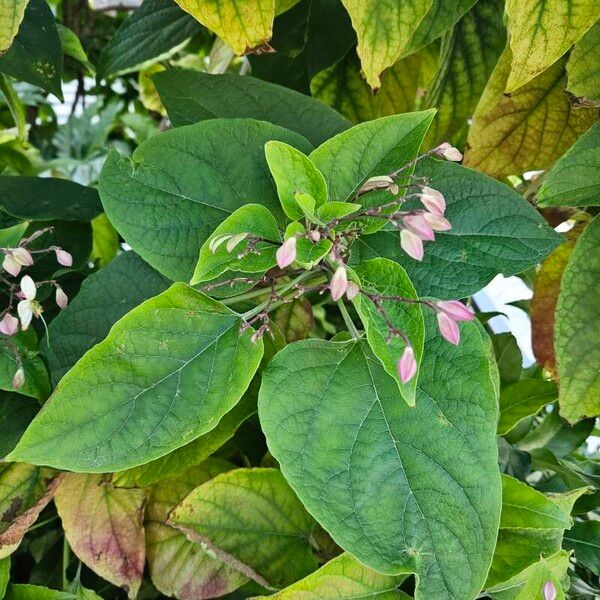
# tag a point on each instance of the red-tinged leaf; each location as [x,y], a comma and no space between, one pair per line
[104,527]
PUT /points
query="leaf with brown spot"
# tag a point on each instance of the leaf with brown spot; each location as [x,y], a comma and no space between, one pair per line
[295,320]
[24,491]
[546,287]
[104,527]
[179,567]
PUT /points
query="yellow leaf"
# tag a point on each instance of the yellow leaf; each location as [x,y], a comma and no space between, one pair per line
[527,130]
[384,28]
[583,69]
[541,31]
[148,94]
[11,15]
[242,24]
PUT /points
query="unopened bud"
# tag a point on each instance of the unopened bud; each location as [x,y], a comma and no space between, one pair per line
[63,257]
[381,182]
[455,310]
[352,290]
[286,254]
[448,328]
[437,222]
[417,224]
[339,283]
[549,591]
[28,287]
[214,244]
[61,298]
[449,152]
[19,378]
[22,256]
[432,200]
[9,325]
[10,265]
[407,365]
[315,235]
[412,244]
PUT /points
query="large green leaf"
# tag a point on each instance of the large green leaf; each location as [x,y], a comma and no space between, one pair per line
[167,372]
[36,54]
[584,539]
[583,70]
[151,32]
[310,37]
[103,299]
[494,230]
[528,129]
[469,53]
[104,527]
[253,521]
[541,31]
[397,498]
[384,31]
[190,96]
[11,15]
[179,567]
[577,329]
[181,184]
[369,149]
[384,277]
[344,578]
[574,180]
[48,199]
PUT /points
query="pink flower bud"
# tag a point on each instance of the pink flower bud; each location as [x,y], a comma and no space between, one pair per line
[19,378]
[63,257]
[10,265]
[286,254]
[61,298]
[22,256]
[352,290]
[417,224]
[339,283]
[9,324]
[315,235]
[432,200]
[28,287]
[437,222]
[407,365]
[411,244]
[448,328]
[456,310]
[549,591]
[449,152]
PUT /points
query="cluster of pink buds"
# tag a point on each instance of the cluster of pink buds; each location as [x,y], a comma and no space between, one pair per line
[17,258]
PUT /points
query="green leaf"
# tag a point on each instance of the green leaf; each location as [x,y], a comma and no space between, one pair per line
[295,319]
[577,328]
[309,253]
[526,130]
[293,173]
[174,366]
[523,399]
[24,491]
[336,210]
[72,47]
[494,230]
[4,575]
[468,55]
[396,497]
[179,567]
[105,241]
[11,16]
[182,183]
[150,33]
[508,357]
[48,199]
[529,584]
[103,299]
[386,278]
[22,591]
[36,54]
[244,25]
[190,96]
[16,412]
[15,106]
[574,180]
[310,37]
[384,31]
[369,149]
[104,527]
[252,521]
[583,71]
[584,539]
[541,31]
[252,219]
[344,578]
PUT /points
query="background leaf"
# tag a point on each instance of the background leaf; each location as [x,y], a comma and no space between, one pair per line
[12,12]
[523,399]
[583,70]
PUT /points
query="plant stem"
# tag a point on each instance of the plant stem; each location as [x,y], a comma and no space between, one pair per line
[65,563]
[348,320]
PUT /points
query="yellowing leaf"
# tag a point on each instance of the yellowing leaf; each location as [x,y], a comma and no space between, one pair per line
[148,94]
[103,525]
[583,68]
[541,31]
[245,25]
[527,130]
[384,28]
[11,15]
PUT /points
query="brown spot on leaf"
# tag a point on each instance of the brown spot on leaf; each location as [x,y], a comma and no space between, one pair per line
[11,513]
[262,48]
